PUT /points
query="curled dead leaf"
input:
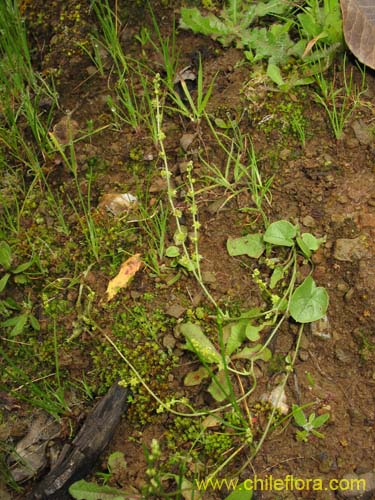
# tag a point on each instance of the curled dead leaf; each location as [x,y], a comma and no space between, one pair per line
[127,271]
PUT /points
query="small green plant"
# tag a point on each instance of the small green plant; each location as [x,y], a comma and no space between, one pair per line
[18,315]
[318,26]
[308,425]
[339,103]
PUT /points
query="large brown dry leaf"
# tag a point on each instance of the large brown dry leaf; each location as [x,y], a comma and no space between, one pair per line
[359,29]
[127,271]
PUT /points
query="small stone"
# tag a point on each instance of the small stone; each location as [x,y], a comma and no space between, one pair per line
[347,249]
[342,286]
[186,140]
[284,154]
[362,132]
[216,205]
[349,295]
[303,355]
[309,221]
[321,328]
[368,220]
[158,184]
[175,310]
[358,485]
[343,356]
[169,341]
[208,277]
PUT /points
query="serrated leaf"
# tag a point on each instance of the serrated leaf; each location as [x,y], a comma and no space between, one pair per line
[280,233]
[206,25]
[5,255]
[82,490]
[251,245]
[196,377]
[197,342]
[309,302]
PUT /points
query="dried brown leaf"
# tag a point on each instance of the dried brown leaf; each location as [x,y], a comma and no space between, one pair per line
[127,271]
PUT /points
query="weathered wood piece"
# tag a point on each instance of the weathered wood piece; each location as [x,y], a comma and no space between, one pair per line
[77,459]
[359,29]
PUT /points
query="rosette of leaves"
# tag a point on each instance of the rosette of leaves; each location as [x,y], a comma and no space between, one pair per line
[240,343]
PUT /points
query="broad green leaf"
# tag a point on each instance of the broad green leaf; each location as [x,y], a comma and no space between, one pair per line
[197,342]
[309,302]
[299,416]
[254,353]
[236,337]
[240,493]
[22,267]
[4,281]
[251,245]
[82,490]
[195,377]
[252,332]
[219,387]
[5,255]
[34,322]
[18,323]
[280,233]
[277,275]
[219,122]
[274,73]
[172,252]
[311,241]
[321,420]
[305,249]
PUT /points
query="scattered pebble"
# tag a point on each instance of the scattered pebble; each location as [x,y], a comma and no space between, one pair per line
[347,249]
[309,221]
[363,132]
[169,341]
[208,277]
[321,328]
[175,310]
[186,140]
[343,356]
[118,203]
[364,491]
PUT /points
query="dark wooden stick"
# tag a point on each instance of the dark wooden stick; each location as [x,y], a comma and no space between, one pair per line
[77,459]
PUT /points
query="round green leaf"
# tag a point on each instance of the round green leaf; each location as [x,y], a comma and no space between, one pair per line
[309,302]
[172,252]
[280,233]
[251,245]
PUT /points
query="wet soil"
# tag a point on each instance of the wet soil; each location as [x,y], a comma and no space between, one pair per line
[325,185]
